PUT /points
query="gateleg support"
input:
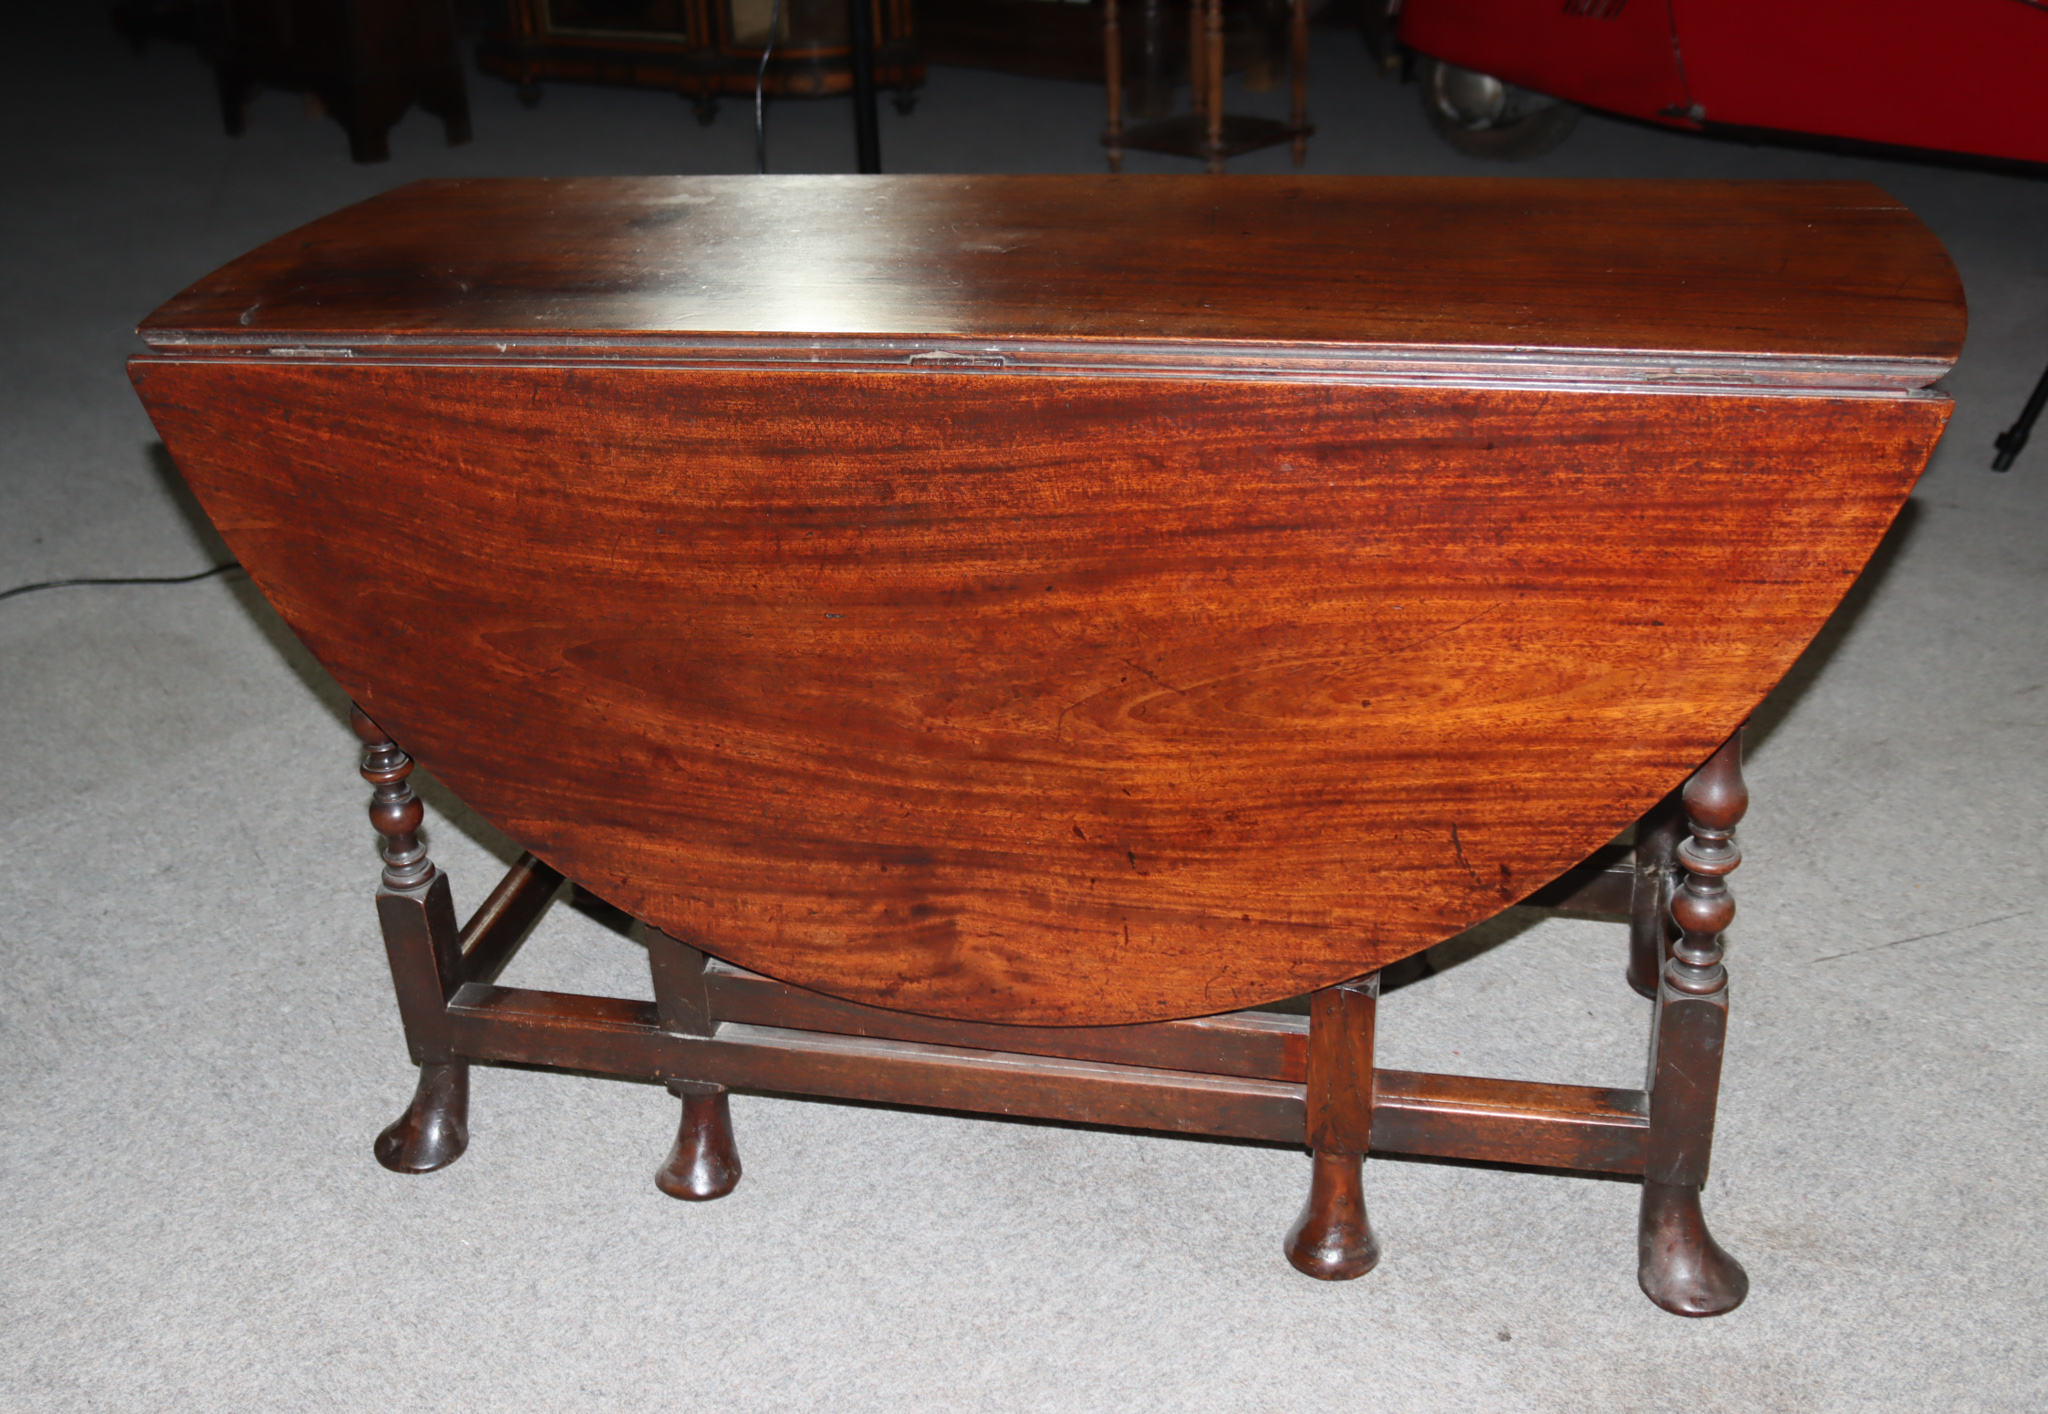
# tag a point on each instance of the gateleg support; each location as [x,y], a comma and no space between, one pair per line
[705,1161]
[1333,1239]
[1679,1265]
[1649,915]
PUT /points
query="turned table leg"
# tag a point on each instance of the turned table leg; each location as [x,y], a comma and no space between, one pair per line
[425,951]
[705,1162]
[1333,1238]
[1680,1266]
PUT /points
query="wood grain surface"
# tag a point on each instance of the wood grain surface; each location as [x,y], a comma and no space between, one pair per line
[1041,699]
[1301,267]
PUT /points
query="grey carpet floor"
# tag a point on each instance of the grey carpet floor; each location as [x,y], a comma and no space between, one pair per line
[197,1041]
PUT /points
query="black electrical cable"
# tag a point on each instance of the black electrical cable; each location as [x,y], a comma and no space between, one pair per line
[123,579]
[760,80]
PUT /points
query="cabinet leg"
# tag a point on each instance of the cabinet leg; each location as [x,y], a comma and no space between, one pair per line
[705,1162]
[434,1130]
[1333,1239]
[368,128]
[234,89]
[446,97]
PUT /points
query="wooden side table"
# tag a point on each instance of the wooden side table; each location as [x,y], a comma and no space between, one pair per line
[1206,131]
[995,660]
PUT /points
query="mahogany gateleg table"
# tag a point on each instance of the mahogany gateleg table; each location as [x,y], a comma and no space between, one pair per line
[999,633]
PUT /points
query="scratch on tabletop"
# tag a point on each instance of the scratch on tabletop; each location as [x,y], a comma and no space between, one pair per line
[1459,845]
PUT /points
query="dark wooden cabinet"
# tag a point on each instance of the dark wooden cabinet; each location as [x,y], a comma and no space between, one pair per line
[366,61]
[699,48]
[1045,39]
[1062,39]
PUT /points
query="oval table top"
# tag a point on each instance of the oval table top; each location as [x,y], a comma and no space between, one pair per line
[1019,621]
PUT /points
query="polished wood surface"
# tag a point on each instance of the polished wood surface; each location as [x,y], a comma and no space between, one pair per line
[1355,268]
[1034,699]
[1174,657]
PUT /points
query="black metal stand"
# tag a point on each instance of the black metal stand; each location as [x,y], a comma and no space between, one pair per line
[2015,437]
[867,132]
